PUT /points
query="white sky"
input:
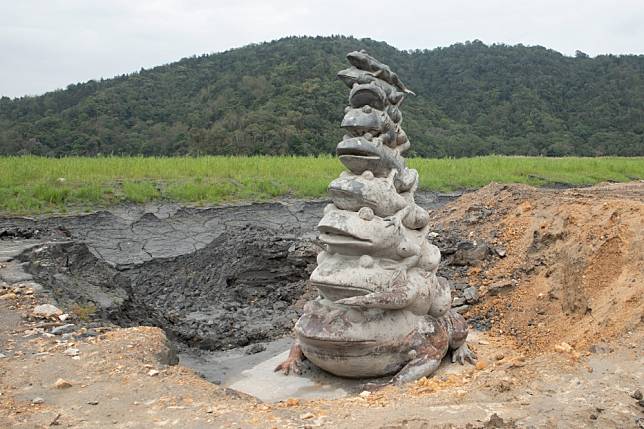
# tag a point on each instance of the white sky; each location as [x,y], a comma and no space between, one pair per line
[48,44]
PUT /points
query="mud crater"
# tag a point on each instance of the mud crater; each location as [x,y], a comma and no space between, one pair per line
[214,279]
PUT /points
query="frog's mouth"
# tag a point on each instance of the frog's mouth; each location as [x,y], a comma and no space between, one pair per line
[353,151]
[333,235]
[335,292]
[353,194]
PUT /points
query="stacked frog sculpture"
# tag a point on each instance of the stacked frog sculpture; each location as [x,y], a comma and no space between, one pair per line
[381,309]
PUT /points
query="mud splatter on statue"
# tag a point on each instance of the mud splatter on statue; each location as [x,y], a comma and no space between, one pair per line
[381,309]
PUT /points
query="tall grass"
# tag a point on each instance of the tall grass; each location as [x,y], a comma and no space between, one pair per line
[35,184]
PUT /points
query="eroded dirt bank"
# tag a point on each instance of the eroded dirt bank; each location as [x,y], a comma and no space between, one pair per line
[552,279]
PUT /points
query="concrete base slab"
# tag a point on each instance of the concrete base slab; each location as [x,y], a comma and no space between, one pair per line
[262,382]
[253,373]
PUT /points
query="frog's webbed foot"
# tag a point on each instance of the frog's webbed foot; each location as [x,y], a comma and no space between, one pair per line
[422,366]
[375,386]
[293,363]
[463,354]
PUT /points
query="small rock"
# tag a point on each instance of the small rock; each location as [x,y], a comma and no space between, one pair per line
[153,372]
[499,356]
[63,317]
[593,417]
[292,402]
[62,384]
[92,402]
[500,251]
[458,301]
[641,402]
[637,395]
[480,364]
[462,309]
[9,295]
[365,394]
[563,348]
[495,421]
[65,329]
[255,348]
[484,343]
[37,400]
[71,352]
[500,287]
[470,253]
[307,416]
[2,355]
[471,295]
[47,310]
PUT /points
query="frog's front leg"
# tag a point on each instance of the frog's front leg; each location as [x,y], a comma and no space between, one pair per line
[440,335]
[401,294]
[428,355]
[293,363]
[457,331]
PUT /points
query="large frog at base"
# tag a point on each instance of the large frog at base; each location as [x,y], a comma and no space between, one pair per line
[374,343]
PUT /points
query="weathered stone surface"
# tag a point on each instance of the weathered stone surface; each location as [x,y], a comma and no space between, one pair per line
[500,287]
[65,329]
[471,295]
[61,383]
[470,253]
[47,310]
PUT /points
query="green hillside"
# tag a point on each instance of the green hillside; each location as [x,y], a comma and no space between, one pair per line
[282,98]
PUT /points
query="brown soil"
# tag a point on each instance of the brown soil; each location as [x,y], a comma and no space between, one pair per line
[577,258]
[564,350]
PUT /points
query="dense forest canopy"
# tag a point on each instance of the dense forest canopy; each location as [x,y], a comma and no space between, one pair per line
[282,97]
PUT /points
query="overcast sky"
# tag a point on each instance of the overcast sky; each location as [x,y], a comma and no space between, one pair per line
[48,44]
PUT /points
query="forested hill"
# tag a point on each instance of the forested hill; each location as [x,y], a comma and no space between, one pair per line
[282,97]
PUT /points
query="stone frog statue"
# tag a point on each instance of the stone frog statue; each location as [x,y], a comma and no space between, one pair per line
[381,309]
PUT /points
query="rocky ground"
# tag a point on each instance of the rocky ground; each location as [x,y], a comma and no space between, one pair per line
[551,281]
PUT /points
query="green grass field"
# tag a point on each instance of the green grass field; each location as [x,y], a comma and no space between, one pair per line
[32,185]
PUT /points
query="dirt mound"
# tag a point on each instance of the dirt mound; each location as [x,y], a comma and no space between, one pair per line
[568,265]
